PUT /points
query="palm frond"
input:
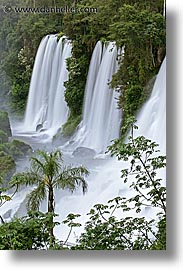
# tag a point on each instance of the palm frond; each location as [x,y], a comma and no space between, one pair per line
[70,178]
[36,165]
[53,165]
[25,178]
[36,197]
[47,172]
[47,163]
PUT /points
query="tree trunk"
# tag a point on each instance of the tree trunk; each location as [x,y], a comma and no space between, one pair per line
[50,200]
[51,210]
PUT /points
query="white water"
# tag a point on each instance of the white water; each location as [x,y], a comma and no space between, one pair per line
[104,181]
[46,104]
[101,116]
[152,117]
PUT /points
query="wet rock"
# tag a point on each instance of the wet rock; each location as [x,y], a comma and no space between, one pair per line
[39,127]
[22,146]
[59,139]
[84,152]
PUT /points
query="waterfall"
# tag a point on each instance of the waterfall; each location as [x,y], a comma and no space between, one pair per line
[100,123]
[101,116]
[106,182]
[91,79]
[152,118]
[46,105]
[151,122]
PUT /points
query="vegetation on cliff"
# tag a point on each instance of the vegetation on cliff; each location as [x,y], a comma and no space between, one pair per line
[137,25]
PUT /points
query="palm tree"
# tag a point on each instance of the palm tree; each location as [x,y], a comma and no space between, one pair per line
[46,174]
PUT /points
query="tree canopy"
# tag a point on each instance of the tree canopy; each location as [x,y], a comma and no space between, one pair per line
[139,25]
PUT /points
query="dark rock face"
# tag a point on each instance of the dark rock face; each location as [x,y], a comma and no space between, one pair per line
[9,153]
[22,146]
[39,127]
[59,139]
[10,149]
[84,152]
[5,123]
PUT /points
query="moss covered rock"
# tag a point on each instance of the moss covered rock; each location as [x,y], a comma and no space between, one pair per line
[22,146]
[5,123]
[10,150]
[3,137]
[7,165]
[71,125]
[15,149]
[9,153]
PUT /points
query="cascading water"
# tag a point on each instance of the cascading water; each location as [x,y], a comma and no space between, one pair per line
[46,105]
[152,117]
[101,116]
[106,183]
[91,79]
[101,122]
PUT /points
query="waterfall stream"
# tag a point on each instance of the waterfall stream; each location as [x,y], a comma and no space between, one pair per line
[46,107]
[152,118]
[101,116]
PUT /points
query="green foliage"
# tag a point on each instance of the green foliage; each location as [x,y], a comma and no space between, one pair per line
[5,123]
[22,146]
[85,29]
[3,137]
[70,221]
[70,126]
[145,163]
[135,92]
[104,231]
[3,193]
[21,34]
[138,25]
[75,86]
[27,233]
[7,165]
[130,231]
[9,153]
[3,115]
[141,29]
[3,196]
[47,172]
[13,150]
[160,242]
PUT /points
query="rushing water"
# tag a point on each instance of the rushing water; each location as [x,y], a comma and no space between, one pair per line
[152,117]
[101,116]
[47,110]
[46,106]
[100,124]
[106,182]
